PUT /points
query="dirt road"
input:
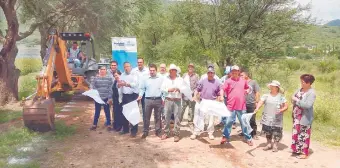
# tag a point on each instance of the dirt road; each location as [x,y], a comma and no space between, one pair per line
[87,149]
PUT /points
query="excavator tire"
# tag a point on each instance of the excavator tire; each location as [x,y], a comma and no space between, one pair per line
[39,115]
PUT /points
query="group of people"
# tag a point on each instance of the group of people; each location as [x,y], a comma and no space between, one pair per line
[161,93]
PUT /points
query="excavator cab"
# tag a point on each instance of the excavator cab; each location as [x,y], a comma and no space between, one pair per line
[88,65]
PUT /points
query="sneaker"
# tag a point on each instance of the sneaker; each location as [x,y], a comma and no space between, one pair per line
[176,138]
[164,137]
[123,132]
[133,135]
[144,135]
[109,128]
[211,137]
[193,137]
[224,140]
[93,128]
[250,143]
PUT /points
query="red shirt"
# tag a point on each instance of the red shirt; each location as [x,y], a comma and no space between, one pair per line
[235,91]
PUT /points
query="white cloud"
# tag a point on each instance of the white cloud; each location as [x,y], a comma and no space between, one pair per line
[323,10]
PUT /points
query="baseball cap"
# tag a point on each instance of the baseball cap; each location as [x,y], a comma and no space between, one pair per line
[211,69]
[235,67]
[227,70]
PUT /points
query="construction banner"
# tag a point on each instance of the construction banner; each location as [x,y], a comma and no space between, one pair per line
[124,49]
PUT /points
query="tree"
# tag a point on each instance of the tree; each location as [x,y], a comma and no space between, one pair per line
[8,73]
[235,31]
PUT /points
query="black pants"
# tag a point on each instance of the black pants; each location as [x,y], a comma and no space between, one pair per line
[250,109]
[118,116]
[127,98]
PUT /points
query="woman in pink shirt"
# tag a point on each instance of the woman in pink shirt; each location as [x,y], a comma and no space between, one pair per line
[235,89]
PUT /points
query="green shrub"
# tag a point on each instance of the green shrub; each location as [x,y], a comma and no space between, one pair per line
[327,66]
[304,56]
[28,65]
[292,64]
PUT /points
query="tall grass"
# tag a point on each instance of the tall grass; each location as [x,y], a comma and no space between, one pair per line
[28,65]
[326,124]
[29,68]
[27,85]
[8,115]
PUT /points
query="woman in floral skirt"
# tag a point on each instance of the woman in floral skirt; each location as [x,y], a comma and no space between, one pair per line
[303,115]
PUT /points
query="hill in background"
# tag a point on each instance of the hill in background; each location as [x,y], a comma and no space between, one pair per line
[333,23]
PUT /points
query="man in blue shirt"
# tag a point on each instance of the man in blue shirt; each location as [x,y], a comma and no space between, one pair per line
[151,88]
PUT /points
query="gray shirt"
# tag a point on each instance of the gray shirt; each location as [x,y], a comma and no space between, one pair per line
[103,85]
[306,103]
[253,89]
[272,105]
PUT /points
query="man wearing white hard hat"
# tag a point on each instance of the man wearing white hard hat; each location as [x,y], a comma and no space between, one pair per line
[235,89]
[173,97]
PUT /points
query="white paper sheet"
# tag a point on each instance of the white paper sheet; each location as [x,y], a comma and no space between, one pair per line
[215,108]
[131,112]
[186,91]
[246,121]
[94,94]
[198,117]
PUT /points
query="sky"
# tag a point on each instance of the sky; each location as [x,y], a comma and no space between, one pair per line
[323,10]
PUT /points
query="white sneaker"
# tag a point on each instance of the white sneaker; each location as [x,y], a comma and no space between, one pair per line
[211,137]
[193,137]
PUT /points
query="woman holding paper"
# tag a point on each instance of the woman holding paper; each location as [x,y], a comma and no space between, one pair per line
[275,104]
[103,84]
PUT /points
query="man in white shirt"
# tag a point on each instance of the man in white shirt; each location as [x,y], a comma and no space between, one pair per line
[162,70]
[130,88]
[143,73]
[173,98]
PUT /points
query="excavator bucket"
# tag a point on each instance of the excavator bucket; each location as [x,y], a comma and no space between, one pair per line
[39,115]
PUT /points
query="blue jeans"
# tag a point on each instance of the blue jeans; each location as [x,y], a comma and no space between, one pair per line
[76,62]
[228,122]
[98,108]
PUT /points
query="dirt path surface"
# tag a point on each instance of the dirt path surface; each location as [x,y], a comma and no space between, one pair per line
[87,149]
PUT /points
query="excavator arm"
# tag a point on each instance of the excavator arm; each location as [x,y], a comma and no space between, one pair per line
[55,60]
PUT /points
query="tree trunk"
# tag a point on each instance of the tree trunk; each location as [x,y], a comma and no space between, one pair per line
[9,74]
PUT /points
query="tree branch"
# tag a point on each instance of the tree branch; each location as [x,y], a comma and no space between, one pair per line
[32,28]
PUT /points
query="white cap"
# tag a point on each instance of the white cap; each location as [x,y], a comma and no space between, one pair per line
[235,67]
[173,67]
[276,84]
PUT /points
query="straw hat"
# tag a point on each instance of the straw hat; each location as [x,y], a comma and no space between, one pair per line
[173,67]
[276,84]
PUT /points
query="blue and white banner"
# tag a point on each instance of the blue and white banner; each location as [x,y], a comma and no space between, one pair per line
[124,49]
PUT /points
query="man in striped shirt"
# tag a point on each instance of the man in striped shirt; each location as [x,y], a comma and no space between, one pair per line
[103,84]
